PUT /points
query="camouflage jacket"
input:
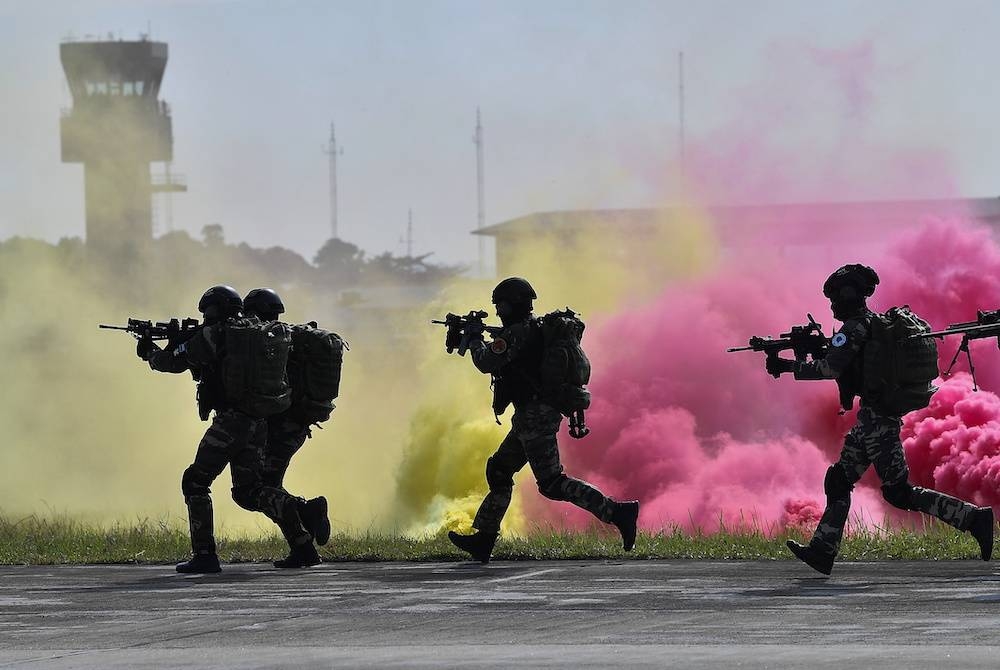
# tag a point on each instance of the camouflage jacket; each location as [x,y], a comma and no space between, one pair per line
[514,358]
[202,356]
[844,359]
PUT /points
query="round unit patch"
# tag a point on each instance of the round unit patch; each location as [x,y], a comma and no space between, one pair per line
[498,346]
[839,340]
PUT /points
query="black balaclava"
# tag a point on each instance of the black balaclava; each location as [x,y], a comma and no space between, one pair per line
[513,312]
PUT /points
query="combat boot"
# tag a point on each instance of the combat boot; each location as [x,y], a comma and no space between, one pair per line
[624,518]
[315,519]
[200,564]
[981,528]
[479,544]
[820,561]
[301,556]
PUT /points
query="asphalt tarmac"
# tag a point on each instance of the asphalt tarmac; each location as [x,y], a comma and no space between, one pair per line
[574,614]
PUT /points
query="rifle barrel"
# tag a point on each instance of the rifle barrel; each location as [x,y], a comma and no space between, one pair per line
[986,330]
[107,327]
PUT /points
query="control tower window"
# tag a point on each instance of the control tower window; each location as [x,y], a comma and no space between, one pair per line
[101,88]
[91,87]
[138,87]
[128,88]
[115,88]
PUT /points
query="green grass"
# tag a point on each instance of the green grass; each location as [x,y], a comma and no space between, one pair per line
[63,540]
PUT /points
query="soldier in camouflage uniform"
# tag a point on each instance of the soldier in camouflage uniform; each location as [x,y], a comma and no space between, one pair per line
[285,436]
[234,437]
[514,358]
[874,440]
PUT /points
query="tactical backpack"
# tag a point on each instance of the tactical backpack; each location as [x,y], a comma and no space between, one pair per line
[565,369]
[898,368]
[253,367]
[314,368]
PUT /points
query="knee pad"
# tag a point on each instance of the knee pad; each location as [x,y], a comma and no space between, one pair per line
[899,495]
[496,478]
[836,485]
[194,482]
[553,488]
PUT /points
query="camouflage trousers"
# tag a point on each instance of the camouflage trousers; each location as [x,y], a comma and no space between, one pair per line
[874,440]
[238,440]
[284,438]
[532,440]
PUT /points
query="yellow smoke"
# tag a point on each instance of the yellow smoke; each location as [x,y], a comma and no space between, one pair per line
[91,431]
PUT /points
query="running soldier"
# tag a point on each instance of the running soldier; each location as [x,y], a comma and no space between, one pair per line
[321,352]
[217,357]
[874,356]
[515,360]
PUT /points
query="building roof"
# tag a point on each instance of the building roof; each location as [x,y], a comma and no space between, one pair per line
[883,212]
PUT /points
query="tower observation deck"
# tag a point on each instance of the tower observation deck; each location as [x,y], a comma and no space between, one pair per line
[116,128]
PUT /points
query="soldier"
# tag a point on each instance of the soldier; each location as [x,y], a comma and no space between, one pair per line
[235,437]
[855,362]
[287,431]
[514,360]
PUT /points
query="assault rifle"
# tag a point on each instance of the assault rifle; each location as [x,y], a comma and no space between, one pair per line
[987,324]
[461,330]
[803,341]
[174,330]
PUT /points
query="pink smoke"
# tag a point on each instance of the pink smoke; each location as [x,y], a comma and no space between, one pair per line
[954,445]
[704,437]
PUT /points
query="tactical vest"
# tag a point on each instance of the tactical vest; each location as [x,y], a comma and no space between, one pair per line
[899,369]
[253,366]
[565,368]
[314,370]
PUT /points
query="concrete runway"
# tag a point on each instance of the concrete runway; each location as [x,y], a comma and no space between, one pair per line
[529,614]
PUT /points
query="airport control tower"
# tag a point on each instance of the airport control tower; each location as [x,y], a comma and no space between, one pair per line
[116,128]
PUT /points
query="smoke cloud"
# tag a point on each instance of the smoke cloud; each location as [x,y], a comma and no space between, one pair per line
[704,437]
[700,436]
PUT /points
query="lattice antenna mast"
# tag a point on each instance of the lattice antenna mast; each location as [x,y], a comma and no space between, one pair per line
[409,233]
[332,151]
[480,193]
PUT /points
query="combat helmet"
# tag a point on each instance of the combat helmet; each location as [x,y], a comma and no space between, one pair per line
[263,302]
[851,283]
[515,290]
[220,302]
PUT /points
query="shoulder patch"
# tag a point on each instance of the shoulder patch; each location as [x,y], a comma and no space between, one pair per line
[498,346]
[838,340]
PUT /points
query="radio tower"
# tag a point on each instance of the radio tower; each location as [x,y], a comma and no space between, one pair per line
[409,233]
[480,193]
[681,149]
[332,150]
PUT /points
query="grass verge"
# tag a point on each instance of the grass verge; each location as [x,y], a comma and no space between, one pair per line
[63,540]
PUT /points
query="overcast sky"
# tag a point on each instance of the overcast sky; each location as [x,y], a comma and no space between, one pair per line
[579,104]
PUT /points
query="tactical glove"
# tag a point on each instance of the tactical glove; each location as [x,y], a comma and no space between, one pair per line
[778,366]
[145,348]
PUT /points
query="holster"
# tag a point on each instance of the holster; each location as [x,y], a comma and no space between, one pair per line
[501,398]
[204,407]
